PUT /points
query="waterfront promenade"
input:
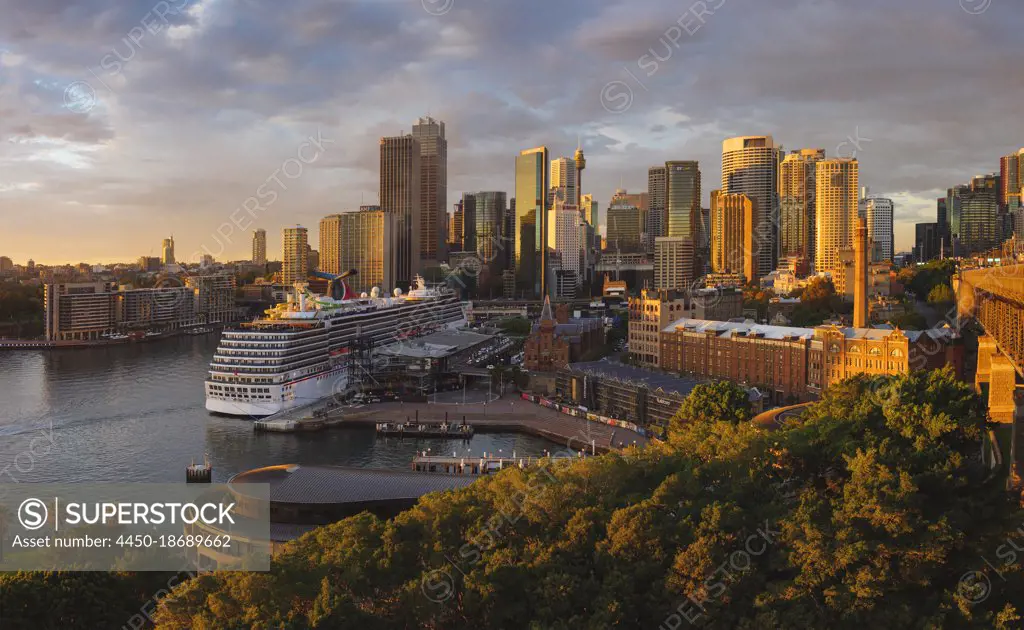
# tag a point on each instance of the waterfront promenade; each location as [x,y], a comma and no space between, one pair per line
[507,414]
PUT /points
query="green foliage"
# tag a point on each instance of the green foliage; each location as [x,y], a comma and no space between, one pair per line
[516,326]
[818,303]
[922,279]
[818,292]
[865,513]
[910,321]
[21,310]
[712,402]
[59,600]
[940,295]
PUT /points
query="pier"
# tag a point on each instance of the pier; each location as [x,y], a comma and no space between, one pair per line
[419,430]
[509,414]
[474,466]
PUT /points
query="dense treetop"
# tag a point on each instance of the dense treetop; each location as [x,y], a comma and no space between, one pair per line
[872,511]
[865,514]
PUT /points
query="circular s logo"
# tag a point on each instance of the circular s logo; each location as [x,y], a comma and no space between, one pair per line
[32,514]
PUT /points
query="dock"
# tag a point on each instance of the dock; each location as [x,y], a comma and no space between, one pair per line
[509,414]
[473,466]
[425,430]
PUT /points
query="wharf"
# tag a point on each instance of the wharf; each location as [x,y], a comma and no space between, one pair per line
[509,414]
[425,430]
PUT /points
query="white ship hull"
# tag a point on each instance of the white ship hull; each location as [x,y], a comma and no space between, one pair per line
[245,403]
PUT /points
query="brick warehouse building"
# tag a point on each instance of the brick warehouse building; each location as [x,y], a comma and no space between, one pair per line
[557,340]
[797,364]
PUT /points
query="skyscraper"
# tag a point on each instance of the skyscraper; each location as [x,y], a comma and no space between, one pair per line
[796,199]
[510,237]
[401,186]
[878,212]
[625,225]
[458,232]
[563,180]
[837,193]
[750,166]
[942,230]
[682,200]
[1011,181]
[683,208]
[490,240]
[673,263]
[656,195]
[295,264]
[733,232]
[259,247]
[167,248]
[656,189]
[531,220]
[926,241]
[564,237]
[589,209]
[468,222]
[434,189]
[361,241]
[974,218]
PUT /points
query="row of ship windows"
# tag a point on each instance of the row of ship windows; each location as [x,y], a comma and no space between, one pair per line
[222,388]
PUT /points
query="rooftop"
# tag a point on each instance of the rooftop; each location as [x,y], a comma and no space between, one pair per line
[293,483]
[729,329]
[734,328]
[435,345]
[630,374]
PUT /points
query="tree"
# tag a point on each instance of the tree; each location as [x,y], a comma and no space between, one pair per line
[870,510]
[819,292]
[910,321]
[941,295]
[516,326]
[719,401]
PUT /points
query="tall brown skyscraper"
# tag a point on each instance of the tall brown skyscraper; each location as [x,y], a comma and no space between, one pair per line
[401,185]
[837,196]
[259,247]
[295,264]
[433,217]
[1011,181]
[734,245]
[361,241]
[797,208]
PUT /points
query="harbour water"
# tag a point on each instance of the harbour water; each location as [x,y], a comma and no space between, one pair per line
[136,413]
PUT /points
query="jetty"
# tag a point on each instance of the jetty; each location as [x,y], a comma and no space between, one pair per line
[510,414]
[425,430]
[475,466]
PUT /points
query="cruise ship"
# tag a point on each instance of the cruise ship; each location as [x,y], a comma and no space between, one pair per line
[299,352]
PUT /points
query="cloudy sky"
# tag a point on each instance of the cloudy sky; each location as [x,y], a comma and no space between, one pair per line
[123,121]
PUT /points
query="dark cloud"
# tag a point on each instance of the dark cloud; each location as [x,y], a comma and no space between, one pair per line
[189,119]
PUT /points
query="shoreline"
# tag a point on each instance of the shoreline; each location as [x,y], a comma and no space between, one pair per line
[30,344]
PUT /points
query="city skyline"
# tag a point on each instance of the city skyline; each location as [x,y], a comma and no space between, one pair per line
[112,168]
